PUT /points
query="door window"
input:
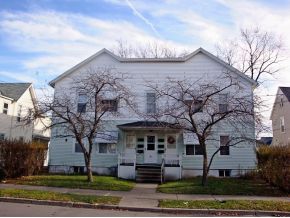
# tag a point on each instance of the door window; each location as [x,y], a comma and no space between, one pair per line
[150,143]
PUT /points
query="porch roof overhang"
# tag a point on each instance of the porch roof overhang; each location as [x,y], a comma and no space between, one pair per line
[147,125]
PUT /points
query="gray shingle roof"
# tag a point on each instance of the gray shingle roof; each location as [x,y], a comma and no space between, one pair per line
[13,90]
[286,92]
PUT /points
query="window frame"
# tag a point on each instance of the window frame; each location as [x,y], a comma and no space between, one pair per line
[74,148]
[18,118]
[224,102]
[82,105]
[5,110]
[282,124]
[107,150]
[108,106]
[194,150]
[224,172]
[154,103]
[227,146]
[193,103]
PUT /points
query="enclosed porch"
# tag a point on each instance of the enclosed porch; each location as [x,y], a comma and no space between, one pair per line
[151,151]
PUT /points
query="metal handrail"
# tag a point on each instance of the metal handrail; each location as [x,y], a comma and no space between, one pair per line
[162,170]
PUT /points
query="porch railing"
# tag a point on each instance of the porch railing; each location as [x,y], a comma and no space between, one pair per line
[172,159]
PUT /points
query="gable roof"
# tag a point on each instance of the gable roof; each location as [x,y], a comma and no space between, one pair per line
[178,59]
[13,90]
[286,92]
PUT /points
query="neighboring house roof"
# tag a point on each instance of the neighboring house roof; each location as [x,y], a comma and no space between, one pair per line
[286,92]
[13,90]
[178,59]
[265,140]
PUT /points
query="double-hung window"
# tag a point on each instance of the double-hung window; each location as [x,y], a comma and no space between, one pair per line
[282,124]
[19,113]
[82,103]
[224,145]
[107,148]
[223,103]
[195,149]
[78,148]
[110,105]
[194,105]
[5,108]
[151,102]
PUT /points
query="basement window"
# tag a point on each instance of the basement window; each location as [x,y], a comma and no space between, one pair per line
[224,173]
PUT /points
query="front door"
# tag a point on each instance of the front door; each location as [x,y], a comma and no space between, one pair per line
[150,153]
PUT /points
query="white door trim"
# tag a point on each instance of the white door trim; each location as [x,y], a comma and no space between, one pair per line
[150,156]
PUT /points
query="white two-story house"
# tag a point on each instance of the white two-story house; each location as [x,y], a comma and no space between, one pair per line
[280,117]
[141,143]
[17,101]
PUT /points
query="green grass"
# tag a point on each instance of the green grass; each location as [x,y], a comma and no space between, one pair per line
[76,181]
[220,186]
[47,195]
[229,204]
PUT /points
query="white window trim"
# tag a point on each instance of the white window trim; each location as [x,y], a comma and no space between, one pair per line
[2,111]
[219,153]
[282,120]
[146,102]
[105,154]
[191,155]
[73,148]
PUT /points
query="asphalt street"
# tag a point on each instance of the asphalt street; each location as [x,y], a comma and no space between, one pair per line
[24,210]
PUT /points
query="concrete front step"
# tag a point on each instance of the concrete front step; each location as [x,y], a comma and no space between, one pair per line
[148,174]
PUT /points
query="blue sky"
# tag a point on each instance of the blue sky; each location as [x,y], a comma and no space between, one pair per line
[40,39]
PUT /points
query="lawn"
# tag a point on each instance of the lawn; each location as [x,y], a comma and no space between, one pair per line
[47,195]
[220,186]
[229,204]
[76,181]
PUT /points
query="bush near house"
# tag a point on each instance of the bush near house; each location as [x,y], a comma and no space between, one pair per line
[18,158]
[274,165]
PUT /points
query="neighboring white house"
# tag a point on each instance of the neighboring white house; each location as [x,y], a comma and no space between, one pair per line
[138,143]
[280,117]
[17,100]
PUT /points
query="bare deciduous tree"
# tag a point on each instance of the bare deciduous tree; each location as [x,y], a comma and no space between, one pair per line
[79,110]
[203,108]
[254,53]
[147,50]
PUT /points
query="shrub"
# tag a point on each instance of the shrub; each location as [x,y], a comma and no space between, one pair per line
[274,165]
[19,158]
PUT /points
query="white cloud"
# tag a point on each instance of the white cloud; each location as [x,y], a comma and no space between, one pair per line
[64,39]
[22,77]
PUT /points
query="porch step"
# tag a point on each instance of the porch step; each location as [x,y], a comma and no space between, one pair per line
[148,173]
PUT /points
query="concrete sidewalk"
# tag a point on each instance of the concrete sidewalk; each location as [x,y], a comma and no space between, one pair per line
[142,195]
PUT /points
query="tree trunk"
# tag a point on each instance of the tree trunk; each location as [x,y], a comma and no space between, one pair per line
[204,167]
[89,169]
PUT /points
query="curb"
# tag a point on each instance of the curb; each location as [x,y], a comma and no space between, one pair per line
[139,209]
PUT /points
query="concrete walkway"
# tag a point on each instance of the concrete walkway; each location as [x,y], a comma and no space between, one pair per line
[142,195]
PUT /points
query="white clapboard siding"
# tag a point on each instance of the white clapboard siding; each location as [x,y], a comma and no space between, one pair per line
[200,66]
